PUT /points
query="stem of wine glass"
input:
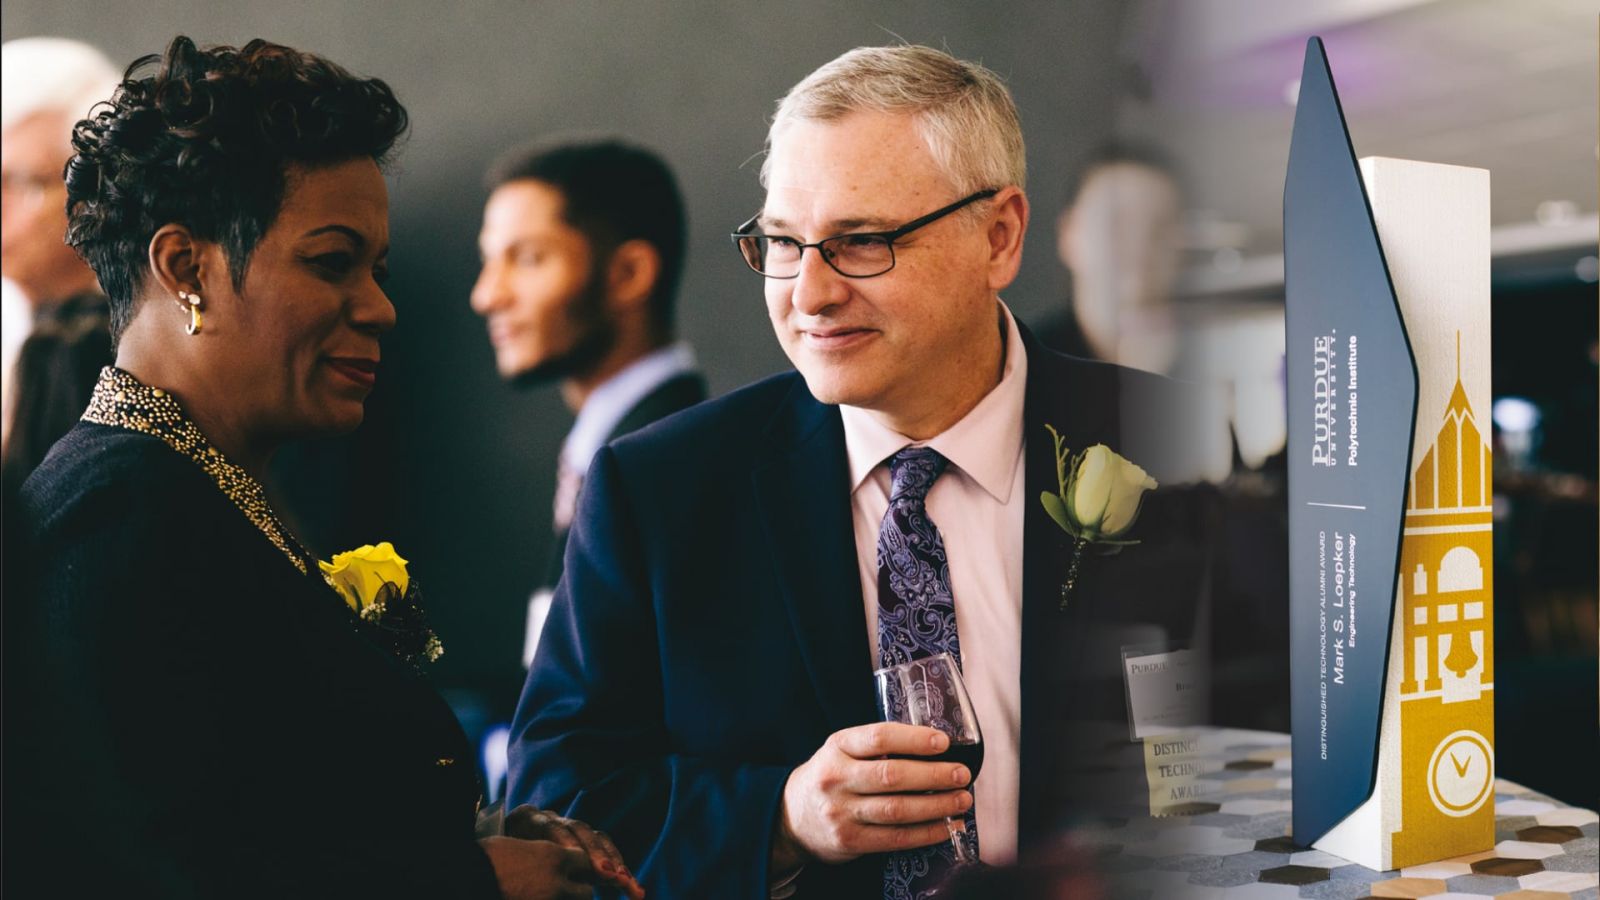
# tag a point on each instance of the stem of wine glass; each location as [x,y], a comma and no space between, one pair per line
[958,842]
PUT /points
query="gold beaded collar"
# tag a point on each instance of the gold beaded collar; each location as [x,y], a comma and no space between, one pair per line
[122,401]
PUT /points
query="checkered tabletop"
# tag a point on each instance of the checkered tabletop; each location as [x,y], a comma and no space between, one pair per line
[1236,844]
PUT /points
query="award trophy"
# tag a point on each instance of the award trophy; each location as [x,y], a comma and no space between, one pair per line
[1390,509]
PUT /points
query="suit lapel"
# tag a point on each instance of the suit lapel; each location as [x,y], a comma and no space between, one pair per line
[803,502]
[1079,399]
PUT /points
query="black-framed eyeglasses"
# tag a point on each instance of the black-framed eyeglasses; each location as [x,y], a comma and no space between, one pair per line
[860,254]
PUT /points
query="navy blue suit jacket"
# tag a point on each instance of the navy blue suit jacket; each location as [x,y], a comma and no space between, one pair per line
[707,635]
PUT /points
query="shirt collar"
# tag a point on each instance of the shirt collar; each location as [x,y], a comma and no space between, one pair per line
[608,404]
[986,443]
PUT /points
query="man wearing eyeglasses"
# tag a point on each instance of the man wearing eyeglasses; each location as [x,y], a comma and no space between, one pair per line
[736,573]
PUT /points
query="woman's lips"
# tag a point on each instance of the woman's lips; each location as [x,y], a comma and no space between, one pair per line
[363,372]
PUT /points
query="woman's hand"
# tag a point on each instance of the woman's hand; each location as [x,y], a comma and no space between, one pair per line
[532,824]
[539,870]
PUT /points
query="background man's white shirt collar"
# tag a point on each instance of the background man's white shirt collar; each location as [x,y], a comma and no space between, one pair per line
[609,403]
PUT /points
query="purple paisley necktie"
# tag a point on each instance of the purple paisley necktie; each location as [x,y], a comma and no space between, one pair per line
[916,618]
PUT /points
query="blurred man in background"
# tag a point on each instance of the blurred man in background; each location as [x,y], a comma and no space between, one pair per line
[1122,239]
[583,248]
[49,84]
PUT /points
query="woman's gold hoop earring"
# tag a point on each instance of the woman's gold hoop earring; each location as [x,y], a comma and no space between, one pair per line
[194,311]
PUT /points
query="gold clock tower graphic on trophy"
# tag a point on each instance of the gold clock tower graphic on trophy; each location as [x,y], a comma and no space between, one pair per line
[1447,654]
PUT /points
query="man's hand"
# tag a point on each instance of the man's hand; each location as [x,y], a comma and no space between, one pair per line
[848,800]
[533,824]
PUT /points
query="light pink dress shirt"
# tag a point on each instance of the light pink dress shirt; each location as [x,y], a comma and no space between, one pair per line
[977,504]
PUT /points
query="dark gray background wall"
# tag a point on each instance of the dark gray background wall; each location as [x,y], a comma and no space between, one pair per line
[456,468]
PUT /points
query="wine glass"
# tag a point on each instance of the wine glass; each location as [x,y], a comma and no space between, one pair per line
[929,691]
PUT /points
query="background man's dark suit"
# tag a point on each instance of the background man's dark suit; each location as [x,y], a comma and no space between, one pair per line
[709,632]
[679,392]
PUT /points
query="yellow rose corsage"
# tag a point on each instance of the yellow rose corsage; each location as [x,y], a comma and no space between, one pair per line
[374,583]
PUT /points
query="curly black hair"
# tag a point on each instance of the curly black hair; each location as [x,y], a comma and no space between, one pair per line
[206,140]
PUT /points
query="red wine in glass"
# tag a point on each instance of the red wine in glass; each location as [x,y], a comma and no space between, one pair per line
[930,692]
[969,754]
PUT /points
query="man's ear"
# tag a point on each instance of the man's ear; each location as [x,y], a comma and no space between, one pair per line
[631,274]
[1006,226]
[177,260]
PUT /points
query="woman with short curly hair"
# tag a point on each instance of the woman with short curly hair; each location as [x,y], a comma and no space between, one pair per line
[221,723]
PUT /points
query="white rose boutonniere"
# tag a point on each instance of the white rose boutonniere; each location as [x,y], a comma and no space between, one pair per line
[1097,502]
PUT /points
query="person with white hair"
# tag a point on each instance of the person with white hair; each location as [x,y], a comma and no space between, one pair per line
[46,86]
[704,688]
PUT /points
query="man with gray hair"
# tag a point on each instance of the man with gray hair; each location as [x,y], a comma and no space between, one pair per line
[736,573]
[48,84]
